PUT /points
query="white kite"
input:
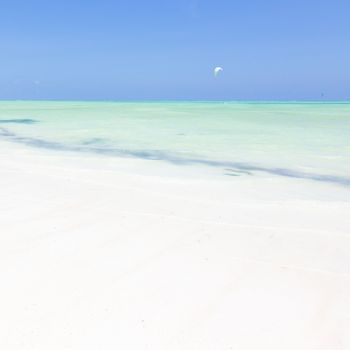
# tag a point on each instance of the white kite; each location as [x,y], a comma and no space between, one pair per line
[217,70]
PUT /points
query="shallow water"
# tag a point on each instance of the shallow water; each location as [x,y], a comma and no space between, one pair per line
[302,140]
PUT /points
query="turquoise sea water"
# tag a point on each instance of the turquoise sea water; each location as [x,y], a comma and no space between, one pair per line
[307,140]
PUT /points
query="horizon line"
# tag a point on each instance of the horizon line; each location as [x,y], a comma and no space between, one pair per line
[183,100]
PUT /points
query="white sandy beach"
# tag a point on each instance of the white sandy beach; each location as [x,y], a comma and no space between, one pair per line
[102,253]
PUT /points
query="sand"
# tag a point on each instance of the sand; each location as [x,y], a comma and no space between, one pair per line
[113,253]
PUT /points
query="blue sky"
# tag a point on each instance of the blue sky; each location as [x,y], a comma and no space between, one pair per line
[160,49]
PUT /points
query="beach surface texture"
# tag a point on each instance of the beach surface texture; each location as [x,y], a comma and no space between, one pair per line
[174,226]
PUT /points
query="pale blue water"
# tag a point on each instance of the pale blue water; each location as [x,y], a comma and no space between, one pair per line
[301,140]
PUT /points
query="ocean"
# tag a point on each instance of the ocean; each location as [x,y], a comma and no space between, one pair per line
[292,139]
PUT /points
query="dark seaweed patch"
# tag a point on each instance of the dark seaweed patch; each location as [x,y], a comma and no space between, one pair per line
[93,141]
[18,121]
[235,172]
